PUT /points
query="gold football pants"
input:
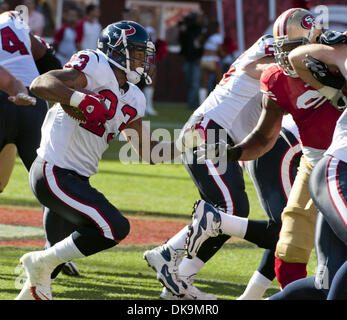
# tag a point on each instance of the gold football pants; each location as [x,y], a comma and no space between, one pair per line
[296,239]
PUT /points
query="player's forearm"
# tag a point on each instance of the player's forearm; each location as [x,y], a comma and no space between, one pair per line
[296,58]
[14,86]
[252,147]
[58,85]
[10,84]
[49,88]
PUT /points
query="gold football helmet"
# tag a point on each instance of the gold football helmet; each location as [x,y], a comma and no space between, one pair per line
[293,28]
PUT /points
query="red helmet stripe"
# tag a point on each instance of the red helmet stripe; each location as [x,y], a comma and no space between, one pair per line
[285,20]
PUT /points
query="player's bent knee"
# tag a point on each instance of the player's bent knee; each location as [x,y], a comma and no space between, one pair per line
[297,235]
[122,229]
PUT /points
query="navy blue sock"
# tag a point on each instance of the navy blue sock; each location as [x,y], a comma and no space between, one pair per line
[263,233]
[267,264]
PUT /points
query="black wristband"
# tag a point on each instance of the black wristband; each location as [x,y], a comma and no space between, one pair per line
[234,153]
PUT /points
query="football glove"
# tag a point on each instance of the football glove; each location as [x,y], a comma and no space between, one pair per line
[339,101]
[320,72]
[216,152]
[331,38]
[91,106]
[190,138]
[22,99]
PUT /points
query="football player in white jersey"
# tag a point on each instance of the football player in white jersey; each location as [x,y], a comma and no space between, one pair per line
[70,151]
[24,56]
[328,178]
[232,110]
[21,55]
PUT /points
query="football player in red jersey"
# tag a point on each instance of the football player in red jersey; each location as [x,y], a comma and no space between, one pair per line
[327,180]
[285,92]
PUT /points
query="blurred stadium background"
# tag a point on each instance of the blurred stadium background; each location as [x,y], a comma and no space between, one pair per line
[242,21]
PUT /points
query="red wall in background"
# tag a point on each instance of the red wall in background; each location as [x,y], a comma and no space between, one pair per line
[171,86]
[170,79]
[256,15]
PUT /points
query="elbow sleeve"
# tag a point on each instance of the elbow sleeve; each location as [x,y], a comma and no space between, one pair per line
[48,62]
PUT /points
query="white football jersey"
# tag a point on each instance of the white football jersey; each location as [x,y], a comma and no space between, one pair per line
[338,147]
[235,103]
[69,144]
[15,53]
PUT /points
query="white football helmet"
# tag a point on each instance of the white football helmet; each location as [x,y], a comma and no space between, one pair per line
[293,28]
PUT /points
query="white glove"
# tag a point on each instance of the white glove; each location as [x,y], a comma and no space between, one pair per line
[214,152]
[22,99]
[191,138]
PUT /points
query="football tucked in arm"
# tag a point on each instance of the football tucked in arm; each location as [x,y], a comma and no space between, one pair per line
[76,113]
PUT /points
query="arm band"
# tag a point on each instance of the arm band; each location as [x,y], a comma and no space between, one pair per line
[48,62]
[76,98]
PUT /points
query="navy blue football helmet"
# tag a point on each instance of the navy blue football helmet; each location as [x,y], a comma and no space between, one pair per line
[121,37]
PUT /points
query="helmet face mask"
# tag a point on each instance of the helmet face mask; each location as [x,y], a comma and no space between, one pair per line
[142,57]
[121,42]
[293,28]
[282,50]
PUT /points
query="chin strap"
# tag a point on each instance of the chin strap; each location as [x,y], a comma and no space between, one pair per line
[135,76]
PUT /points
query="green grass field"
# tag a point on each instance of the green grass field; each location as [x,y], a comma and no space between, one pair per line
[163,192]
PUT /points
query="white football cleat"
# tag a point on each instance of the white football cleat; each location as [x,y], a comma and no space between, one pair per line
[167,295]
[39,276]
[165,260]
[191,293]
[25,293]
[206,223]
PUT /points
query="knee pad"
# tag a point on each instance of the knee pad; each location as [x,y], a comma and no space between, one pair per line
[297,234]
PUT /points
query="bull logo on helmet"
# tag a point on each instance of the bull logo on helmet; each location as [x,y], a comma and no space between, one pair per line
[307,21]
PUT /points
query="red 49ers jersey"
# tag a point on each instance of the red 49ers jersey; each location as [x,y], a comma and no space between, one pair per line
[314,115]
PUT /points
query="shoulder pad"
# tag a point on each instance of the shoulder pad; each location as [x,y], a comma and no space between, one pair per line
[265,44]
